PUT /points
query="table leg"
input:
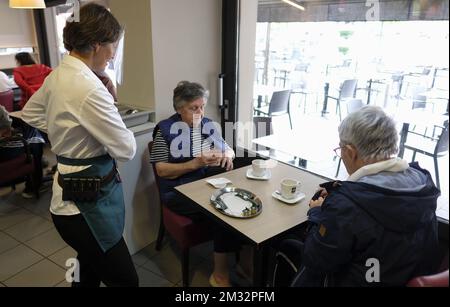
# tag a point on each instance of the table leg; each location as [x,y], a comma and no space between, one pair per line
[259,266]
[325,100]
[403,137]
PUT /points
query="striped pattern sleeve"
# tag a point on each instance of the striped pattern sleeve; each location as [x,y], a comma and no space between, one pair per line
[160,150]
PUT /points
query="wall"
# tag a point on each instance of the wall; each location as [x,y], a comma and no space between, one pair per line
[186,46]
[138,84]
[16,30]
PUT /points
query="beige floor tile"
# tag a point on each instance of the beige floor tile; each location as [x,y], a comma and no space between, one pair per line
[47,243]
[42,274]
[29,228]
[6,242]
[167,263]
[13,216]
[200,274]
[144,255]
[150,279]
[60,257]
[16,260]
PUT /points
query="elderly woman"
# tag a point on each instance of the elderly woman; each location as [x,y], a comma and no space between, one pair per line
[87,134]
[185,146]
[378,227]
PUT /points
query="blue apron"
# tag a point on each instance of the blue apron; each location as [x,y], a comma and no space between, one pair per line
[106,216]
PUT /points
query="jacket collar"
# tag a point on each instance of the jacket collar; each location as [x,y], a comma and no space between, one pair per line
[392,165]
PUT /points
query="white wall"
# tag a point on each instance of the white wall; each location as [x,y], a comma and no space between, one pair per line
[187,39]
[16,30]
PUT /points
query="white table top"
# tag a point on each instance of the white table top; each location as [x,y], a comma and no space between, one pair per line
[276,216]
[308,145]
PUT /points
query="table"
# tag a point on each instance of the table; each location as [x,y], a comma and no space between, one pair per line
[276,217]
[312,146]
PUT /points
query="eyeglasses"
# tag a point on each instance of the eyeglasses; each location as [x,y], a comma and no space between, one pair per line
[337,151]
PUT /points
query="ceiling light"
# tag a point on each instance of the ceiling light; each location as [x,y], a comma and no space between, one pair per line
[27,4]
[294,4]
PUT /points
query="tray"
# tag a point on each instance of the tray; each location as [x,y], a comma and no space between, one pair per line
[236,202]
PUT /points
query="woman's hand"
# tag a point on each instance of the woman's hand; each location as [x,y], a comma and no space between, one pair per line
[208,159]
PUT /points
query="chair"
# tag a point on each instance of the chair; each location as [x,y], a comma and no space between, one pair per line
[436,280]
[346,91]
[17,169]
[7,100]
[353,105]
[183,230]
[428,146]
[278,105]
[262,126]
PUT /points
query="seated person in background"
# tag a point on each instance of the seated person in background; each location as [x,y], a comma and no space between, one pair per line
[377,228]
[5,83]
[29,76]
[184,157]
[12,149]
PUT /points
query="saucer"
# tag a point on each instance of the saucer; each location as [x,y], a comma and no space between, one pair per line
[294,200]
[266,176]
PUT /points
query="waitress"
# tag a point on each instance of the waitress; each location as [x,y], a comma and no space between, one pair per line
[87,134]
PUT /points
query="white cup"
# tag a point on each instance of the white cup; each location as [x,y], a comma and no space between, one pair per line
[289,188]
[259,167]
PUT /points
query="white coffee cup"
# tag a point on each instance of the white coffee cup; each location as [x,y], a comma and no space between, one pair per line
[289,188]
[259,167]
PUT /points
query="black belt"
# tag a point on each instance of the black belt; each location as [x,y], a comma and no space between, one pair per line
[101,180]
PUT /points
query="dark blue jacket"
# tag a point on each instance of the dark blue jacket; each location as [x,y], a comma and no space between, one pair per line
[177,134]
[393,221]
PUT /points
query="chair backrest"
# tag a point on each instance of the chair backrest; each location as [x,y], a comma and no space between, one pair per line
[348,89]
[7,100]
[262,125]
[442,143]
[17,167]
[279,103]
[354,105]
[436,280]
[150,147]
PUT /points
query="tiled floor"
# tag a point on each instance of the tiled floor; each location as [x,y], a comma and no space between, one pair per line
[33,254]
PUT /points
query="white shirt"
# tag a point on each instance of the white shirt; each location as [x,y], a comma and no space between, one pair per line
[78,113]
[5,82]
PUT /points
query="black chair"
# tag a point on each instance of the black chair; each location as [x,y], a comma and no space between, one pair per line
[431,147]
[346,91]
[278,105]
[262,126]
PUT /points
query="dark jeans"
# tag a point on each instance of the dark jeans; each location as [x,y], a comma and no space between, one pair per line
[114,268]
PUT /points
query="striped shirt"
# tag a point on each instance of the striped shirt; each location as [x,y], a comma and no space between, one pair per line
[160,150]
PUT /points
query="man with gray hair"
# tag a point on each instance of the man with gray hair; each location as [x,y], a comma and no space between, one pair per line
[377,228]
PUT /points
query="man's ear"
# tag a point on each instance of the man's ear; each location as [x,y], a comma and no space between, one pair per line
[352,152]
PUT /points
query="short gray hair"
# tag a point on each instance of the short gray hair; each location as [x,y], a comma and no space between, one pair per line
[5,120]
[372,132]
[186,92]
